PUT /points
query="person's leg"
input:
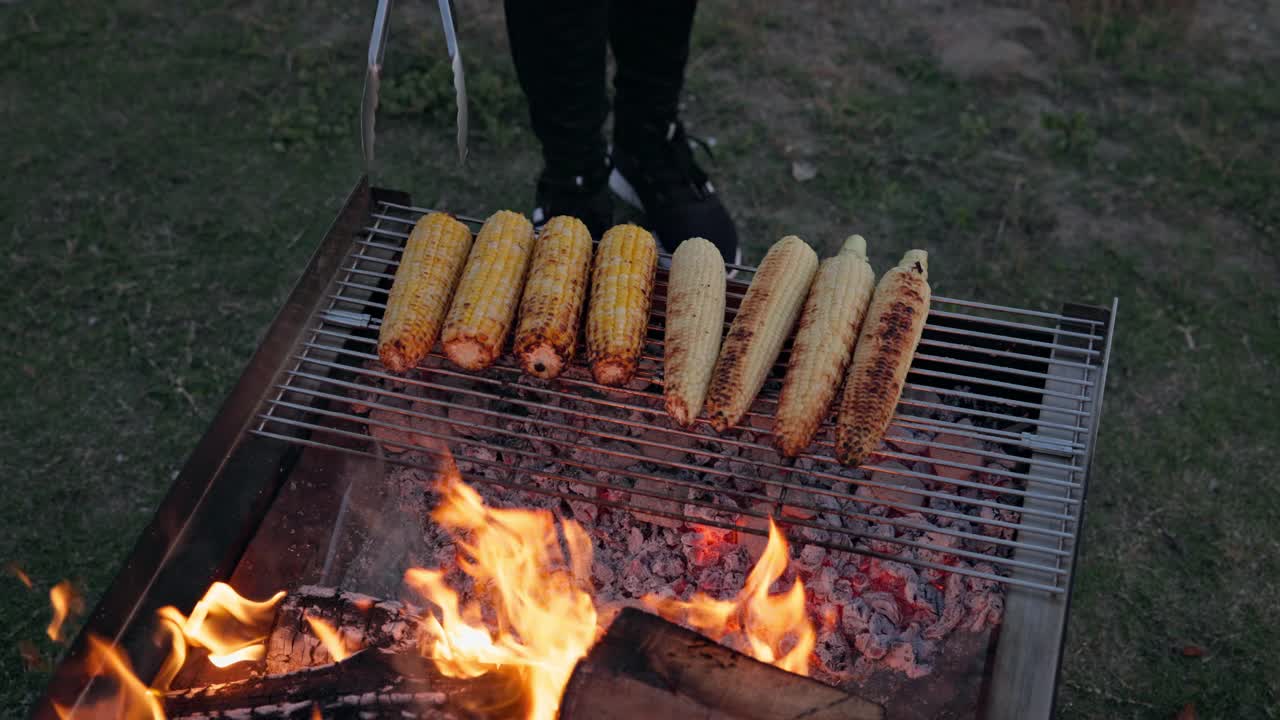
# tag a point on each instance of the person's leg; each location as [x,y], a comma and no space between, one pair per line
[654,165]
[650,40]
[558,47]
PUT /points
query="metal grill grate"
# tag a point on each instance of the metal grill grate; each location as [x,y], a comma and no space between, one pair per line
[1026,385]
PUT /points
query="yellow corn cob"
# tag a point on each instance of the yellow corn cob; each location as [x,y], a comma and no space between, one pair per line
[695,321]
[621,290]
[828,326]
[882,357]
[489,291]
[755,338]
[553,297]
[424,283]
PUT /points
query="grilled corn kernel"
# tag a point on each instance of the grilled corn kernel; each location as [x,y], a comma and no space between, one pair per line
[881,359]
[553,297]
[484,305]
[424,283]
[694,324]
[765,317]
[621,291]
[828,327]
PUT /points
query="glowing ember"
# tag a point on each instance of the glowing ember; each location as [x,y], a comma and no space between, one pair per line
[65,600]
[330,638]
[231,627]
[764,623]
[545,616]
[14,570]
[130,699]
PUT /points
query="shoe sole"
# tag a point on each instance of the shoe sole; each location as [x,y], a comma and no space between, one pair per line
[626,192]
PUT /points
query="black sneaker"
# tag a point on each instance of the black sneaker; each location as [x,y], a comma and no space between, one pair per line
[654,170]
[585,197]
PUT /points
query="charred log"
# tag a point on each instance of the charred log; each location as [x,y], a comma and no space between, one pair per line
[361,621]
[646,667]
[370,684]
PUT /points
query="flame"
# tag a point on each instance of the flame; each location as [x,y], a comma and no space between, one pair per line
[14,570]
[315,712]
[762,621]
[177,654]
[330,638]
[65,600]
[131,700]
[230,626]
[545,619]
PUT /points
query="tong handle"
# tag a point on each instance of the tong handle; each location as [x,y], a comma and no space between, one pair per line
[372,78]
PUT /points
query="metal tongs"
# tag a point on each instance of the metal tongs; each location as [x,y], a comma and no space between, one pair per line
[373,75]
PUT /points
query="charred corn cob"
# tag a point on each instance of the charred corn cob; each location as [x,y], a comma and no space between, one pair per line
[553,297]
[755,338]
[621,289]
[424,283]
[695,321]
[882,357]
[485,304]
[829,325]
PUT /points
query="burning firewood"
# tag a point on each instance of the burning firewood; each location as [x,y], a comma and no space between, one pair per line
[646,667]
[372,683]
[361,622]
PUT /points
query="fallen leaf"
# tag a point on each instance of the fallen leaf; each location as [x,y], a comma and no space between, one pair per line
[1188,712]
[803,171]
[1192,651]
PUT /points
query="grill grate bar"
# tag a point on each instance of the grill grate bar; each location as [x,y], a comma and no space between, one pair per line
[780,368]
[760,499]
[744,495]
[1013,391]
[683,434]
[597,387]
[954,552]
[617,505]
[586,415]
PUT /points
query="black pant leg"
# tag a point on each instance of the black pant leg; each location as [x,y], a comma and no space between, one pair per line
[650,40]
[558,47]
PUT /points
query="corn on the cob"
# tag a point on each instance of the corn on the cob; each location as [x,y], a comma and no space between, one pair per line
[755,338]
[621,290]
[553,297]
[429,269]
[882,357]
[695,321]
[489,291]
[828,327]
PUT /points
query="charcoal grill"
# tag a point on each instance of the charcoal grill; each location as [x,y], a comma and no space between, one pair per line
[1027,385]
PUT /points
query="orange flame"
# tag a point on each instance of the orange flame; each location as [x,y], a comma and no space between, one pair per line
[131,699]
[14,570]
[330,638]
[177,653]
[546,620]
[766,623]
[315,712]
[65,600]
[230,626]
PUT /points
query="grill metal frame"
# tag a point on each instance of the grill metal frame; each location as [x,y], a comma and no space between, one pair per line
[1031,383]
[227,485]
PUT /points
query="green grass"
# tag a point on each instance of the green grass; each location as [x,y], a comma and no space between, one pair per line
[171,166]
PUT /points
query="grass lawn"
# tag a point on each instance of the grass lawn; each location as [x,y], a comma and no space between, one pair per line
[170,166]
